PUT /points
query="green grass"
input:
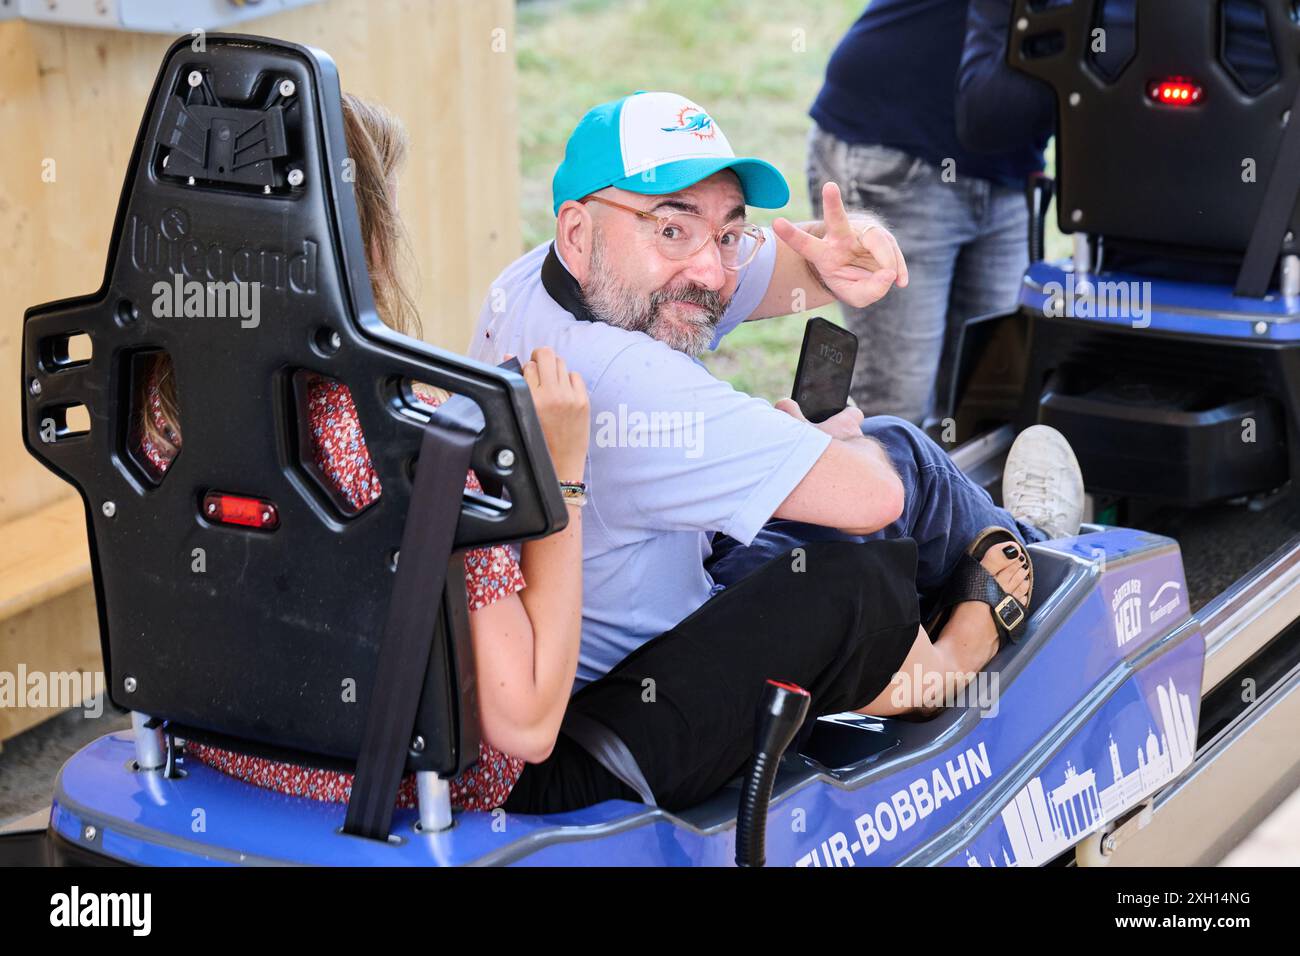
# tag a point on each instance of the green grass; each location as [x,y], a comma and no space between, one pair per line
[756,65]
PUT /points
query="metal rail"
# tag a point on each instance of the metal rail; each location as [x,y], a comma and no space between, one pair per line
[1240,776]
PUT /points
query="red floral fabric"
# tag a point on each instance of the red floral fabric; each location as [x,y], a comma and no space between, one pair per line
[339,450]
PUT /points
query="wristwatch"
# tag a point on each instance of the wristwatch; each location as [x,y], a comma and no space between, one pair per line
[574,493]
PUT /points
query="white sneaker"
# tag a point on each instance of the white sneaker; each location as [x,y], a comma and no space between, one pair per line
[1042,484]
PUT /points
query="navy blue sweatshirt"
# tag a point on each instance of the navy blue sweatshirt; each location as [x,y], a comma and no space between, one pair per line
[892,81]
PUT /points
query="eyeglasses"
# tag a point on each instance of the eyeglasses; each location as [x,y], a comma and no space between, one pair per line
[683,234]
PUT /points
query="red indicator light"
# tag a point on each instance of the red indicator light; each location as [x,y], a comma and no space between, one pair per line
[1176,91]
[245,512]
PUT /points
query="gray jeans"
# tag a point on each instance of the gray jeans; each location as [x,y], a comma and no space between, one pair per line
[966,246]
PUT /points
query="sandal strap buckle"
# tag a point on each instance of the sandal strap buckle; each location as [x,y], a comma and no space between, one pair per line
[1010,612]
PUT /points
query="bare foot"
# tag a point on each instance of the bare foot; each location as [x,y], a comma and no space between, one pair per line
[970,638]
[965,645]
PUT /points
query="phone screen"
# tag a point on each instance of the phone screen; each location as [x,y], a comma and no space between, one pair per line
[825,372]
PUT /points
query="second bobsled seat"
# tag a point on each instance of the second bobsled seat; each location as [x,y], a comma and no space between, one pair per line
[1167,350]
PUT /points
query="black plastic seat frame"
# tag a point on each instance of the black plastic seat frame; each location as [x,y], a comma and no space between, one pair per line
[1200,193]
[1173,182]
[264,637]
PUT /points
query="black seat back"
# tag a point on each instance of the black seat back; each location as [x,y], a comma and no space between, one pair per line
[240,174]
[1179,174]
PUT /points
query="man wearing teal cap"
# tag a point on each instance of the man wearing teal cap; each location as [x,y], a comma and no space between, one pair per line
[654,262]
[659,144]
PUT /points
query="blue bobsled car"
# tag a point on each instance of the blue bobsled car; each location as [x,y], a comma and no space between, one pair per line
[1167,350]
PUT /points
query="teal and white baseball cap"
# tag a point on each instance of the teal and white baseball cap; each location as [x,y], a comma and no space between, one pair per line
[657,143]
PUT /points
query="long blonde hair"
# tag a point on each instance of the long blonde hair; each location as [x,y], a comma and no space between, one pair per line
[377,145]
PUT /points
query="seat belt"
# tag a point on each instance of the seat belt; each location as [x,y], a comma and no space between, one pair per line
[1274,213]
[413,610]
[607,749]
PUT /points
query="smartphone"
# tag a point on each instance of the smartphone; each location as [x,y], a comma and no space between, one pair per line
[825,371]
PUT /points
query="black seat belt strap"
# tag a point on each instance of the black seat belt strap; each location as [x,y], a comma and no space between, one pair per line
[1274,213]
[413,610]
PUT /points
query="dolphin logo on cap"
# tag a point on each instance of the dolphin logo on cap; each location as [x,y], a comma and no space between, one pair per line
[700,123]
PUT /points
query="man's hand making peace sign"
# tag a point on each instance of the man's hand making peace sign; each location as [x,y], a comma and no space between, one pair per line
[853,259]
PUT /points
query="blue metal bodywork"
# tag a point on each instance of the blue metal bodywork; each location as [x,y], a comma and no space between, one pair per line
[1187,308]
[1112,654]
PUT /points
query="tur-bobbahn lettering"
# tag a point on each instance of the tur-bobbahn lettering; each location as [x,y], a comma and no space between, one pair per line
[903,810]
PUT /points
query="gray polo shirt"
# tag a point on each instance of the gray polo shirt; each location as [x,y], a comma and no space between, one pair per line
[675,454]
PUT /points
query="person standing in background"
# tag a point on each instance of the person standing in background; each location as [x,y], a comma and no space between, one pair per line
[886,130]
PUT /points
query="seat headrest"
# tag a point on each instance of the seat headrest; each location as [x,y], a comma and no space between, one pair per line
[1136,164]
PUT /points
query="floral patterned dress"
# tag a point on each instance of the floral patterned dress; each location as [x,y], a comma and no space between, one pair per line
[340,453]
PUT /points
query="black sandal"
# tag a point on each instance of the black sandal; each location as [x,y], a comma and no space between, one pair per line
[971,582]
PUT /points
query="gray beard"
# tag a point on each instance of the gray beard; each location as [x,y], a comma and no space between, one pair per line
[614,303]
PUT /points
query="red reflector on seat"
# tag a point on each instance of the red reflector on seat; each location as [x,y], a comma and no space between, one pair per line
[246,512]
[1176,91]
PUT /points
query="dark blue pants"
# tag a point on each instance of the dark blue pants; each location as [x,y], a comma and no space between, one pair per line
[943,511]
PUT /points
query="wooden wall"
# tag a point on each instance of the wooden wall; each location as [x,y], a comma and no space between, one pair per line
[76,95]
